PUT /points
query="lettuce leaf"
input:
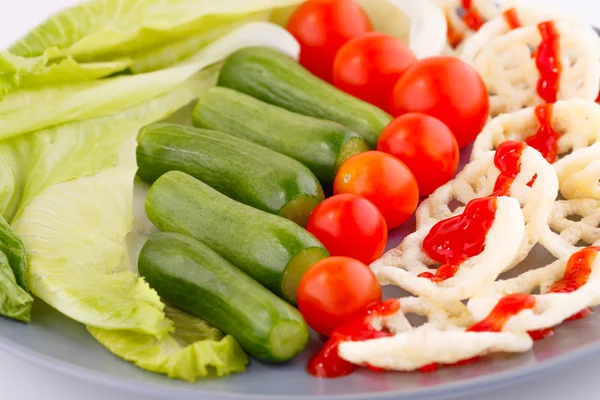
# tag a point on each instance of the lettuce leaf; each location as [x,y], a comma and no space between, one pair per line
[27,110]
[32,162]
[21,72]
[195,349]
[15,302]
[12,247]
[74,233]
[84,100]
[111,29]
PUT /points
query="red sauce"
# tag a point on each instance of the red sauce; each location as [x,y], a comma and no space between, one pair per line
[508,162]
[545,140]
[454,37]
[576,275]
[328,364]
[512,18]
[598,98]
[541,333]
[472,18]
[507,307]
[434,367]
[548,62]
[454,240]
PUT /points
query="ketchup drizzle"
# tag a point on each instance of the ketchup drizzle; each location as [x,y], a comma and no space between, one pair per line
[327,363]
[576,275]
[472,18]
[508,162]
[548,62]
[507,307]
[456,239]
[512,18]
[545,140]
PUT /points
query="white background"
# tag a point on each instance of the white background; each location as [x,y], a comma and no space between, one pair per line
[20,381]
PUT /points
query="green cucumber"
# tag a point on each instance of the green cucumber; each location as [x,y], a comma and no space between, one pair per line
[191,276]
[275,78]
[244,171]
[322,146]
[273,250]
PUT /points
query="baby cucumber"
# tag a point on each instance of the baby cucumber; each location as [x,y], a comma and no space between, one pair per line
[322,146]
[273,250]
[191,276]
[275,78]
[244,171]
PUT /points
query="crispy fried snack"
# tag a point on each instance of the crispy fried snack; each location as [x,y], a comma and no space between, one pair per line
[568,286]
[508,67]
[405,265]
[478,179]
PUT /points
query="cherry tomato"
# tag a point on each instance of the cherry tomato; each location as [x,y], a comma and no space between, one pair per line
[334,291]
[427,147]
[322,27]
[350,226]
[383,180]
[446,88]
[369,66]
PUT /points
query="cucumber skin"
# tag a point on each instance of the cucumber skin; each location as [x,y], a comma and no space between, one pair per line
[314,142]
[246,172]
[258,243]
[193,277]
[275,78]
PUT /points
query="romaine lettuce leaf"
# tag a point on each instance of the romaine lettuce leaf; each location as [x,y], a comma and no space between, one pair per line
[27,110]
[21,72]
[32,162]
[74,233]
[194,350]
[111,29]
[12,247]
[15,302]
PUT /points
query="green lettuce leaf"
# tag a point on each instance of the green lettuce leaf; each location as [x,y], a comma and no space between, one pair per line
[195,349]
[74,233]
[111,29]
[34,161]
[12,247]
[27,110]
[15,302]
[21,72]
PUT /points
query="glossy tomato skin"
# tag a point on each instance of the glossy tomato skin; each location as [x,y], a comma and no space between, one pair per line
[383,180]
[349,226]
[427,147]
[322,27]
[369,66]
[446,88]
[334,291]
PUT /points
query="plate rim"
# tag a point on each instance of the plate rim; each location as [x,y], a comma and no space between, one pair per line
[480,384]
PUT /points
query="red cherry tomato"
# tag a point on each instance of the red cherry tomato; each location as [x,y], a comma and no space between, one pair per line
[383,180]
[350,226]
[427,147]
[322,27]
[369,66]
[334,291]
[446,88]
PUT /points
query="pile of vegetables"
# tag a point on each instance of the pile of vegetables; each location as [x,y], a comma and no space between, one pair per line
[81,97]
